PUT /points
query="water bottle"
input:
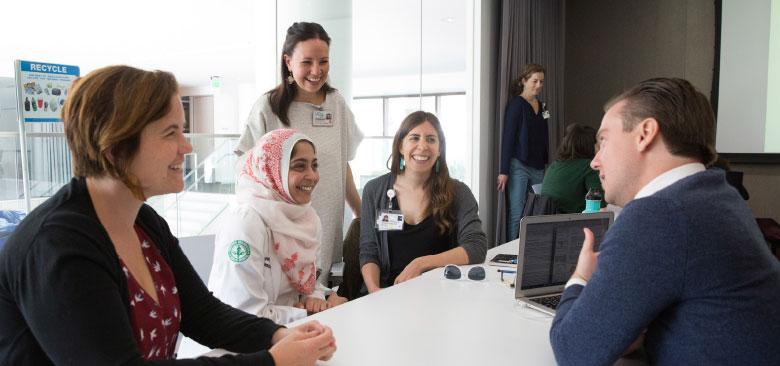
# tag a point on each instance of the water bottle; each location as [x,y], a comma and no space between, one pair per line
[593,200]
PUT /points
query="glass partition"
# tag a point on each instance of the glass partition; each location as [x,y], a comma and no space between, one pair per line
[391,58]
[388,58]
[11,190]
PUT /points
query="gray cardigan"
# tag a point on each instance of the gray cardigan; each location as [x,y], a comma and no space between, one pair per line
[467,232]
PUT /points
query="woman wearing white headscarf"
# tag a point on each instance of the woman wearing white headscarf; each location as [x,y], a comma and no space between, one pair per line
[265,254]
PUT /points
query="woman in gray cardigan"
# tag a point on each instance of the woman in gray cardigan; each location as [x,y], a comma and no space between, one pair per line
[435,216]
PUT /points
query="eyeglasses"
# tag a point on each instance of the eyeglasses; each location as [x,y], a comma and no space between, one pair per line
[452,272]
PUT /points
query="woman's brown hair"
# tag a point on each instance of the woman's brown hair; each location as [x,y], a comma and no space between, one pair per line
[517,85]
[579,142]
[104,115]
[283,94]
[439,186]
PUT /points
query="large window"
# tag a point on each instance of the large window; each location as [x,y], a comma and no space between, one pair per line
[388,58]
[411,55]
[380,117]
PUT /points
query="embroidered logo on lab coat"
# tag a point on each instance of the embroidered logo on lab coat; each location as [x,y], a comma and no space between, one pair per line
[238,251]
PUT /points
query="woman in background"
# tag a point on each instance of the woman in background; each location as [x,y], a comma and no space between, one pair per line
[570,176]
[93,276]
[524,144]
[266,250]
[438,225]
[304,101]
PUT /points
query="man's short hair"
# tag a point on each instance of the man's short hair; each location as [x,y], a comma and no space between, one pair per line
[685,117]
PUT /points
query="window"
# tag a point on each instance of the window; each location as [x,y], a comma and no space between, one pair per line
[411,55]
[380,117]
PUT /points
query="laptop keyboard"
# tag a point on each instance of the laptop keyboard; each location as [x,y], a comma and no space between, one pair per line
[548,301]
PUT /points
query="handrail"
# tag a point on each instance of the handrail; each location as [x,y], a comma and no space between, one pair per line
[202,163]
[222,154]
[221,210]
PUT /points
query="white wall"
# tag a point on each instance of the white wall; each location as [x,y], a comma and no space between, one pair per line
[485,55]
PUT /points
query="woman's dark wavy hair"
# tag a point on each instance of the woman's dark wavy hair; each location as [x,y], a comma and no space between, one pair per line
[439,186]
[579,142]
[283,94]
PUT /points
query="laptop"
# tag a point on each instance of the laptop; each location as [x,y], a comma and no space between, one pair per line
[549,248]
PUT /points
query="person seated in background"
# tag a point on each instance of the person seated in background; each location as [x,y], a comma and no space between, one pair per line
[266,250]
[685,266]
[93,276]
[570,176]
[432,218]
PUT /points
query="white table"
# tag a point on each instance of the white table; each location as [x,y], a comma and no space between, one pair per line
[431,320]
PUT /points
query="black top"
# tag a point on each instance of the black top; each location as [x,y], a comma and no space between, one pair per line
[537,138]
[64,297]
[524,136]
[466,231]
[412,242]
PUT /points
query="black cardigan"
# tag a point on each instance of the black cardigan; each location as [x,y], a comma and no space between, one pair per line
[64,298]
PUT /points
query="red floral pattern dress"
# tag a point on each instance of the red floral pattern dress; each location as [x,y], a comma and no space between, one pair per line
[155,324]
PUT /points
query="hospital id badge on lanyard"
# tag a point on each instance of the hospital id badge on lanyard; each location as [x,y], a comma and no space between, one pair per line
[322,118]
[546,113]
[389,220]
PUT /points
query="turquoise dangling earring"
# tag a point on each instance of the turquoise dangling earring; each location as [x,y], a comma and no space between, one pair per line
[402,164]
[436,167]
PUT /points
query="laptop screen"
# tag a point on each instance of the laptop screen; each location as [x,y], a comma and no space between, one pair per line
[552,247]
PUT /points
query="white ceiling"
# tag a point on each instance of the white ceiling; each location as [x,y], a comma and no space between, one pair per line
[198,38]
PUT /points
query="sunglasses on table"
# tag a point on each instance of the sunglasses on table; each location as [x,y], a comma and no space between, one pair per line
[452,272]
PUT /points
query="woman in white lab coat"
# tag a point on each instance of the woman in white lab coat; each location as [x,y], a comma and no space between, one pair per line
[265,253]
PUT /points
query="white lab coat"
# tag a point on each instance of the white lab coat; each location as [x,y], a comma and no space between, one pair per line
[256,285]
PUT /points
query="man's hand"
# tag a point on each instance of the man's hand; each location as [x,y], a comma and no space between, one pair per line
[586,263]
[502,178]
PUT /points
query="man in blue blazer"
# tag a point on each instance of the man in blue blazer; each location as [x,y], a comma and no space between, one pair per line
[684,269]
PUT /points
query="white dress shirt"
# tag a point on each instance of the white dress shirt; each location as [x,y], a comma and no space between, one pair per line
[668,178]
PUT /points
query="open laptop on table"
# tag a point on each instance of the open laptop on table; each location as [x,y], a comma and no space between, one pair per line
[549,248]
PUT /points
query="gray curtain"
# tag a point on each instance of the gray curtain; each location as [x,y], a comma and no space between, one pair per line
[532,31]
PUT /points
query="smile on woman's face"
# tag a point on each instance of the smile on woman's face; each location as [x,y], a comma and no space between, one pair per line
[303,174]
[158,163]
[309,64]
[420,148]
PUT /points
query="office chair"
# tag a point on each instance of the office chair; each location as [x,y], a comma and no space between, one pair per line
[537,204]
[353,279]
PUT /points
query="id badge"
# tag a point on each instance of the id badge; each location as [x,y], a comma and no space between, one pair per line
[389,220]
[322,119]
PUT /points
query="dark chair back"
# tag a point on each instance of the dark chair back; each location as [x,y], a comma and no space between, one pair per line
[734,178]
[771,230]
[353,279]
[537,204]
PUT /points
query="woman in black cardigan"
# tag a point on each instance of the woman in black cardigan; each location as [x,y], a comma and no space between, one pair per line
[94,276]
